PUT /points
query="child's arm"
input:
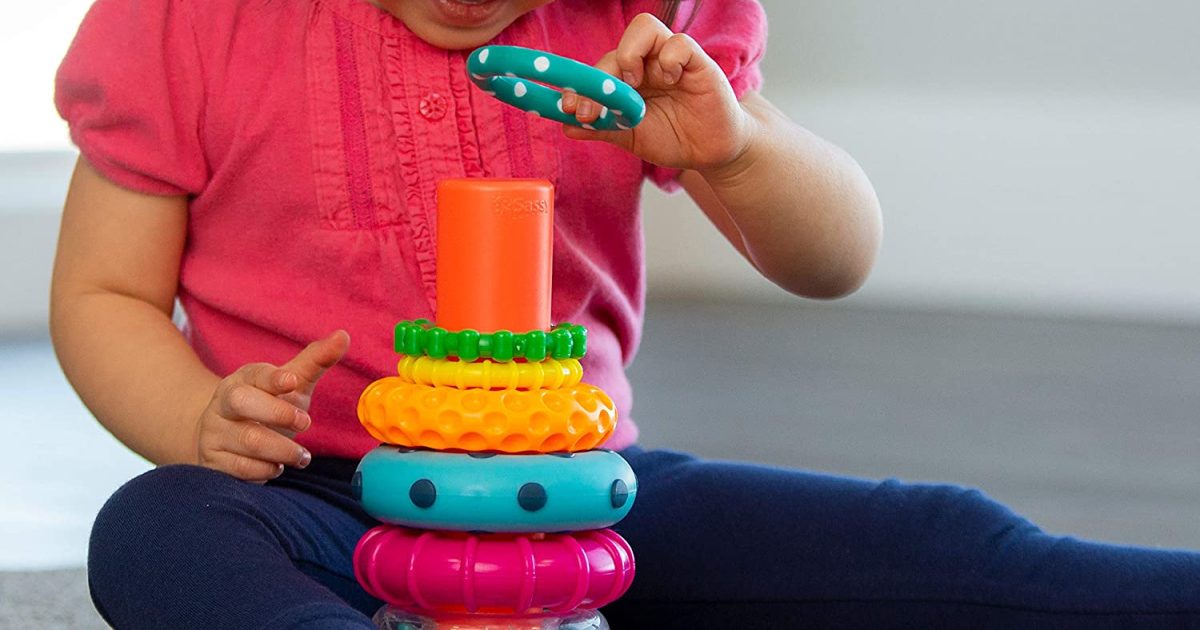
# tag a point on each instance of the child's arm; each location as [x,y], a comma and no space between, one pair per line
[798,208]
[115,280]
[805,213]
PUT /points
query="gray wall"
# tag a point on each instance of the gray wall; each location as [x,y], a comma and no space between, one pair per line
[31,194]
[1115,48]
[1030,156]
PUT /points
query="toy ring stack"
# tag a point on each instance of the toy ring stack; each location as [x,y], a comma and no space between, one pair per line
[493,499]
[495,493]
[548,374]
[446,572]
[515,76]
[576,418]
[566,341]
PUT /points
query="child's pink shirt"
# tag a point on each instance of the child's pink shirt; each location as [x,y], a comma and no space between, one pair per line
[309,136]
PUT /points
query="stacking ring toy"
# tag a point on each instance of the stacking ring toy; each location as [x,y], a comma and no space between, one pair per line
[391,617]
[509,74]
[566,341]
[577,418]
[548,374]
[448,572]
[485,492]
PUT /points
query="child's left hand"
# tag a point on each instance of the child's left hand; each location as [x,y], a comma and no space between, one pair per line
[693,119]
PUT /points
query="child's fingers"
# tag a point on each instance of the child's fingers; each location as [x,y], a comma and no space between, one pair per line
[570,100]
[255,441]
[608,63]
[585,109]
[319,356]
[588,110]
[678,55]
[268,378]
[245,468]
[623,139]
[246,402]
[644,37]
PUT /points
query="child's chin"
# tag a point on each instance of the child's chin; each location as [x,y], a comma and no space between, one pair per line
[454,38]
[438,23]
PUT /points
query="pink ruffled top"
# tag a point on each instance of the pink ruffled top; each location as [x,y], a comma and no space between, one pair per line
[309,136]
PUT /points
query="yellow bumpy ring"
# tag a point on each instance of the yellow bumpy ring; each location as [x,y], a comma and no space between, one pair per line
[548,374]
[576,418]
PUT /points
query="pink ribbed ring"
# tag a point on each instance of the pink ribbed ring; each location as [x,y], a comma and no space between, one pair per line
[495,574]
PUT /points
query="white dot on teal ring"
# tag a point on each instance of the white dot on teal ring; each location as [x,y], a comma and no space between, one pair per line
[542,64]
[559,104]
[519,89]
[483,55]
[609,87]
[603,112]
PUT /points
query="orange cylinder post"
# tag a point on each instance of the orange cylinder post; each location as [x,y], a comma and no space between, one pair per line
[495,240]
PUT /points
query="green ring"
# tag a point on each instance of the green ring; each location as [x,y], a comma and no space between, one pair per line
[509,74]
[565,341]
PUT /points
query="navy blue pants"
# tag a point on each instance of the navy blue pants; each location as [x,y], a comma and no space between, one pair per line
[718,545]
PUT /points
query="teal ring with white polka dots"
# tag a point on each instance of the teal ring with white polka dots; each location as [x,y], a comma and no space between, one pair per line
[514,75]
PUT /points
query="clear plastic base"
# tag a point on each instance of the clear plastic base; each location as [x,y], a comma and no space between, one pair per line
[389,618]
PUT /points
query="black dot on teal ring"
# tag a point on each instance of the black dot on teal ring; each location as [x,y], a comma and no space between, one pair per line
[423,493]
[478,455]
[356,485]
[532,497]
[620,494]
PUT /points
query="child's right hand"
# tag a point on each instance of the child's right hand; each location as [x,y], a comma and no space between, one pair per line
[247,427]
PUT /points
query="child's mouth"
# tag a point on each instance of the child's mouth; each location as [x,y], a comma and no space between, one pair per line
[468,12]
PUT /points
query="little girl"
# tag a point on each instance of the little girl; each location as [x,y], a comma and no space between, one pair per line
[272,164]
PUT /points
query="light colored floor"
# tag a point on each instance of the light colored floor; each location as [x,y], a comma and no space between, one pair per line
[1090,429]
[46,599]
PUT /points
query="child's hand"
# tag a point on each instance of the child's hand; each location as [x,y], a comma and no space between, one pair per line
[247,427]
[693,119]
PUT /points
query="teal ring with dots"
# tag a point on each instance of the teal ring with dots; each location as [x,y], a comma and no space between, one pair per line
[515,76]
[497,493]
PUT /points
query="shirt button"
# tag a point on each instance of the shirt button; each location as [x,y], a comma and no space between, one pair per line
[433,106]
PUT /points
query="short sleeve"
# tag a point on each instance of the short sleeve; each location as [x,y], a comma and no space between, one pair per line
[734,34]
[131,90]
